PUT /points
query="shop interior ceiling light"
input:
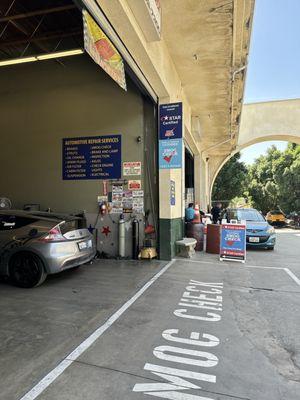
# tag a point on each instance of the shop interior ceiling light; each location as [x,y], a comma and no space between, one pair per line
[57,54]
[17,61]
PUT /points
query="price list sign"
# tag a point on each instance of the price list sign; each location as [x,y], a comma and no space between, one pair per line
[92,157]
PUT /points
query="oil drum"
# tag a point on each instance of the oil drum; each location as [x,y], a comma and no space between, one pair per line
[196,231]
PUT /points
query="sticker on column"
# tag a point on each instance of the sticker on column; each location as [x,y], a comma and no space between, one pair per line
[172,193]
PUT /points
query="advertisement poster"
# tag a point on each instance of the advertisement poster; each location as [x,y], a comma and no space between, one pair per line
[137,193]
[138,201]
[170,153]
[92,157]
[127,201]
[134,185]
[117,199]
[132,168]
[117,189]
[233,242]
[170,121]
[102,51]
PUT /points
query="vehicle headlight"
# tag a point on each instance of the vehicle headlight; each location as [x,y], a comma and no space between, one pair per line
[271,230]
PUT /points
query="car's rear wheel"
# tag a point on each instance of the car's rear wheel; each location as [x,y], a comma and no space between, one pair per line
[26,270]
[271,248]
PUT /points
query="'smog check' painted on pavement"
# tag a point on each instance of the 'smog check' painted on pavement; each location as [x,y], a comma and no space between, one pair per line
[198,297]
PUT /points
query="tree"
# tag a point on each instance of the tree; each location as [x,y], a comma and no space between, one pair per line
[271,182]
[287,176]
[274,180]
[231,180]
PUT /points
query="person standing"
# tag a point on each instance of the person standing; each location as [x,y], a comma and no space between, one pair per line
[216,213]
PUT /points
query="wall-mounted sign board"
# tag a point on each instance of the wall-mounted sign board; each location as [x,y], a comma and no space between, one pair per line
[170,153]
[135,184]
[170,121]
[92,157]
[132,168]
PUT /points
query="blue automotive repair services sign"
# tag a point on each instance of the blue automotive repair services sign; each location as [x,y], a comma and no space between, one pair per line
[233,242]
[92,157]
[170,153]
[170,121]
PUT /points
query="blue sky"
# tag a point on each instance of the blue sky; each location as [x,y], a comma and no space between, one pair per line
[252,152]
[274,59]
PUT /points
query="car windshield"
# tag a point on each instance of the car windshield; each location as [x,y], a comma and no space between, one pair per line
[247,215]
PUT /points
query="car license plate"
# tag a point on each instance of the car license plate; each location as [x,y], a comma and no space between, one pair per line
[85,245]
[254,239]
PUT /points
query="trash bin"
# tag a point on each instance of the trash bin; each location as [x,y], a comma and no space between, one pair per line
[196,231]
[213,238]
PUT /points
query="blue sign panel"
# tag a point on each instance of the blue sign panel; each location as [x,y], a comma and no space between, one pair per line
[92,157]
[233,242]
[170,153]
[170,121]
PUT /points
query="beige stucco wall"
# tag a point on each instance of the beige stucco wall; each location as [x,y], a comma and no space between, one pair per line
[271,120]
[41,103]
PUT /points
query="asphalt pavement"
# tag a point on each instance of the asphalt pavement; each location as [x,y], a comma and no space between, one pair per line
[192,329]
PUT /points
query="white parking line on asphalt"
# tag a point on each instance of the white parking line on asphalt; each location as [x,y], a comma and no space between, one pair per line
[293,276]
[227,264]
[287,270]
[43,384]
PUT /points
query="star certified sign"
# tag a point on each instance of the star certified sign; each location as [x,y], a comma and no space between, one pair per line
[170,121]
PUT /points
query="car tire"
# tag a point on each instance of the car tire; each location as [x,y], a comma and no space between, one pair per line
[26,270]
[271,248]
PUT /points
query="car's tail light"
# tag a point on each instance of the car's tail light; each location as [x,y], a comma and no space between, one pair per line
[53,235]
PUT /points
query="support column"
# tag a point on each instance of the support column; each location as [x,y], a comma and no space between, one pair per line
[171,178]
[170,216]
[201,182]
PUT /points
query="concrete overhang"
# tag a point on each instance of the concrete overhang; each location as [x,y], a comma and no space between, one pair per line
[199,60]
[209,43]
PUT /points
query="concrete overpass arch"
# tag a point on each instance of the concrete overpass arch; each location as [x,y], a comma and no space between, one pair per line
[272,120]
[285,138]
[261,122]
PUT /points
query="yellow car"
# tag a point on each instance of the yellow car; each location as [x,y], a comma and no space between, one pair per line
[276,217]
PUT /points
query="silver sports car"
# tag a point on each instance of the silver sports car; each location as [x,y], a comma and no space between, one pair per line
[35,244]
